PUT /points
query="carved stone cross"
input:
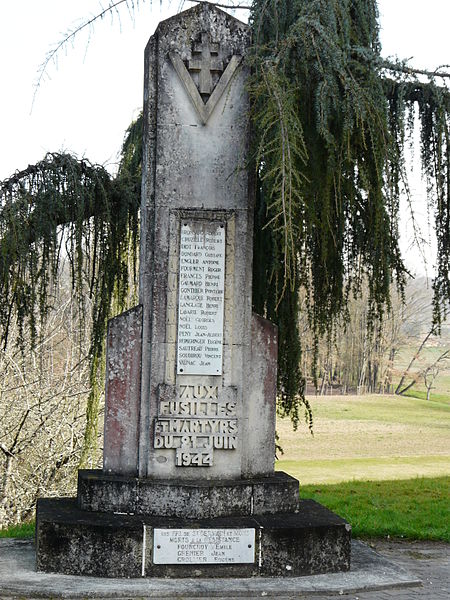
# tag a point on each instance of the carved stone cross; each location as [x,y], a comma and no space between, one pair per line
[206,64]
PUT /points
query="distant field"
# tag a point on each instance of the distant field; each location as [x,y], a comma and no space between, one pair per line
[368,437]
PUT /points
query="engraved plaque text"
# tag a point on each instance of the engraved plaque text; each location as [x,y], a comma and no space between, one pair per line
[203,546]
[201,298]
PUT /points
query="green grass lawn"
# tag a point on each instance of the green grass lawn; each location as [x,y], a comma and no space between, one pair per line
[421,394]
[23,530]
[414,508]
[383,408]
[384,468]
[381,462]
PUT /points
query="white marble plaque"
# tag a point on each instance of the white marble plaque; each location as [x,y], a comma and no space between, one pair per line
[203,546]
[201,298]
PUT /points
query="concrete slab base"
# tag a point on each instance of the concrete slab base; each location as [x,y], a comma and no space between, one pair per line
[76,542]
[18,578]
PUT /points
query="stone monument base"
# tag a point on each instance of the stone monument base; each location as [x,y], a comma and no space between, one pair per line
[91,536]
[198,499]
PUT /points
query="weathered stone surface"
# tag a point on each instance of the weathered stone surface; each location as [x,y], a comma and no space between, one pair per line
[196,247]
[196,173]
[101,492]
[278,493]
[122,395]
[72,541]
[195,500]
[400,565]
[260,399]
[191,373]
[69,541]
[313,541]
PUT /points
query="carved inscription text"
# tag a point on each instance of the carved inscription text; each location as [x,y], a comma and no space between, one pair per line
[196,423]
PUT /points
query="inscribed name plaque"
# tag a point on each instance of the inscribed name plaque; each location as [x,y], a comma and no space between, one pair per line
[203,546]
[201,298]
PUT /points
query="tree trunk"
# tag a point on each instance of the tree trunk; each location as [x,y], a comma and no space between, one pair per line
[399,391]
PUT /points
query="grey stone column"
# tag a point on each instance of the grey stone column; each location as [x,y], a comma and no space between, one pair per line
[196,140]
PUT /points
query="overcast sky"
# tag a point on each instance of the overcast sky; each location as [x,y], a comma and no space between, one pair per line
[86,100]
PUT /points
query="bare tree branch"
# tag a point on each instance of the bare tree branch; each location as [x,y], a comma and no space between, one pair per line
[4,449]
[399,390]
[111,9]
[70,35]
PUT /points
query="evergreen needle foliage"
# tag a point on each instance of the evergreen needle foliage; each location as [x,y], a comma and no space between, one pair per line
[331,118]
[68,209]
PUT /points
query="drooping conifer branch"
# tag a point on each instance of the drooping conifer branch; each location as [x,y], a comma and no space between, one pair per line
[85,24]
[61,209]
[405,69]
[353,122]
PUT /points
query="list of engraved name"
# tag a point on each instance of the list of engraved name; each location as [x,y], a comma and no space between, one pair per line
[201,298]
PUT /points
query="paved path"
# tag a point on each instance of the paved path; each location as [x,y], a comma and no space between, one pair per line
[429,561]
[402,563]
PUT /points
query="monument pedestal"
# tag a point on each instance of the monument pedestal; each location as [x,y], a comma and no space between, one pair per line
[109,543]
[187,499]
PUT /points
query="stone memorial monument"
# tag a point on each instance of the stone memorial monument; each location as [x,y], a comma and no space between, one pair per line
[188,487]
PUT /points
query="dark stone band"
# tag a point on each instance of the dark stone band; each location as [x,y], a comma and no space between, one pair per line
[192,500]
